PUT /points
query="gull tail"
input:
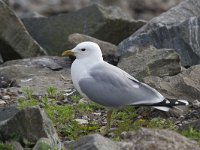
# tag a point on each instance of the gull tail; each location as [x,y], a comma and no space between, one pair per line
[166,104]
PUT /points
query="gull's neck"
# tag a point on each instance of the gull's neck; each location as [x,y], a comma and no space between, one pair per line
[88,62]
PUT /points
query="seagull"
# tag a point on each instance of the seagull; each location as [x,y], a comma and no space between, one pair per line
[109,85]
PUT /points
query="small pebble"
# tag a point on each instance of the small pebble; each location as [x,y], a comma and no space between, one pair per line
[65,101]
[6,97]
[85,117]
[3,90]
[123,135]
[83,101]
[111,135]
[97,114]
[59,103]
[82,121]
[196,104]
[2,102]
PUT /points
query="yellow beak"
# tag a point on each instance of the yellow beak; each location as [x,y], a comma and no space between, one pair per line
[68,53]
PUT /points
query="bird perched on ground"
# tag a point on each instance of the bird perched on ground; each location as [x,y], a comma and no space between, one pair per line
[109,85]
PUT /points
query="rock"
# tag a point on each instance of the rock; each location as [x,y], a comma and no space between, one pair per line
[6,97]
[82,121]
[31,15]
[157,139]
[6,82]
[42,144]
[15,41]
[145,9]
[1,59]
[185,85]
[108,49]
[2,102]
[194,124]
[6,2]
[39,73]
[30,124]
[196,104]
[7,112]
[107,24]
[93,142]
[16,145]
[149,61]
[177,29]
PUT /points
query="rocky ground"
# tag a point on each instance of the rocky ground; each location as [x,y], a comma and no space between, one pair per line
[39,107]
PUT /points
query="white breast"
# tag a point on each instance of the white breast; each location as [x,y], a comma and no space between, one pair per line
[81,69]
[78,71]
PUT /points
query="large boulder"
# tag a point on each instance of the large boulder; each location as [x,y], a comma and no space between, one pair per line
[177,28]
[108,24]
[107,48]
[15,41]
[29,125]
[157,139]
[93,142]
[149,61]
[39,73]
[185,85]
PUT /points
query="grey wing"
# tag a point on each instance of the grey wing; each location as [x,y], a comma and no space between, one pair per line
[112,87]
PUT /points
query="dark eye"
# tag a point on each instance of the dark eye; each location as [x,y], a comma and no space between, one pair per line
[83,49]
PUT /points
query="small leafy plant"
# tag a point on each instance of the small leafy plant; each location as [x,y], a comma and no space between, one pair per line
[192,134]
[6,146]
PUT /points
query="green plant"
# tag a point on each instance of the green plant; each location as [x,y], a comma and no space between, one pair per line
[192,134]
[23,103]
[75,98]
[51,91]
[28,92]
[6,146]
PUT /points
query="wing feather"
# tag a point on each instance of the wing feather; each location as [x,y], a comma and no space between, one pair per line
[113,87]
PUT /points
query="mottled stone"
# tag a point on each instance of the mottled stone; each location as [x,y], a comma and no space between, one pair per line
[178,28]
[15,41]
[149,61]
[158,139]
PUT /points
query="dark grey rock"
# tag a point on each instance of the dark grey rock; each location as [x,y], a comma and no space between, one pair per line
[149,61]
[107,48]
[7,112]
[157,139]
[107,24]
[15,41]
[6,2]
[16,145]
[29,124]
[177,28]
[1,59]
[39,73]
[93,142]
[5,82]
[185,85]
